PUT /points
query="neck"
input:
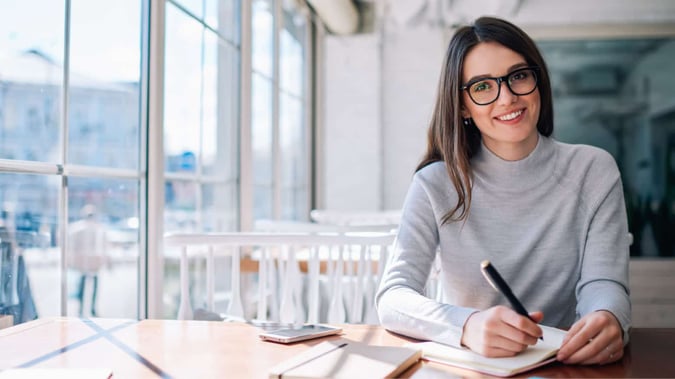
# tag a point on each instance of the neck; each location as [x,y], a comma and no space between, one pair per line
[512,151]
[522,174]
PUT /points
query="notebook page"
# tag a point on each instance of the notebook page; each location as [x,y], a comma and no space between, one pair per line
[499,366]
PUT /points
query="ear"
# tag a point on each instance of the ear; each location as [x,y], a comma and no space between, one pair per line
[465,113]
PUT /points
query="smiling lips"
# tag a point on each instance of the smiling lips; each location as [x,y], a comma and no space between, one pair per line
[510,116]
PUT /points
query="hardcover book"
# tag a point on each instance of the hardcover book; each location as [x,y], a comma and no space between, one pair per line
[347,359]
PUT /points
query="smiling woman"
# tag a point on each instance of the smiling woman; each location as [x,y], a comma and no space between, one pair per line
[494,185]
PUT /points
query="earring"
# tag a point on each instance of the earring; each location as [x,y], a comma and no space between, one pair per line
[466,121]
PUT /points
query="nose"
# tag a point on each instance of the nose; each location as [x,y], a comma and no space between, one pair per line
[505,94]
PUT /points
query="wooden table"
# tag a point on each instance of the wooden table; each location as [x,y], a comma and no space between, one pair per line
[204,349]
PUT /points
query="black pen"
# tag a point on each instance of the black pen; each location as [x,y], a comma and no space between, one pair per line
[492,276]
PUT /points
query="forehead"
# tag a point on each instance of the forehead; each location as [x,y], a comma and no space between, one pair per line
[491,59]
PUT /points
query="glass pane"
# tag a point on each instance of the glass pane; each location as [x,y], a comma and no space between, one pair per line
[182,90]
[181,206]
[103,247]
[196,7]
[294,204]
[31,77]
[263,197]
[104,84]
[291,66]
[220,207]
[263,36]
[262,132]
[223,15]
[220,136]
[293,141]
[29,252]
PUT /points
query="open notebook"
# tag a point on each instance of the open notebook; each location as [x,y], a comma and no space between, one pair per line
[534,356]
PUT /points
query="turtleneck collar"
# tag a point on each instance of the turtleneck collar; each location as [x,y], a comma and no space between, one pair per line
[522,174]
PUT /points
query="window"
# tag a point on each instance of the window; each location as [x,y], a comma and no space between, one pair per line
[201,130]
[294,141]
[70,174]
[75,141]
[280,131]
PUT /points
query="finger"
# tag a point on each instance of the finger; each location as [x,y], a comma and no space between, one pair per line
[527,331]
[605,340]
[605,356]
[573,341]
[574,330]
[591,349]
[592,353]
[488,341]
[495,344]
[508,340]
[497,352]
[537,316]
[610,353]
[498,334]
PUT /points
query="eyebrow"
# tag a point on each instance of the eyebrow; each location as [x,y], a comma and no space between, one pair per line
[508,71]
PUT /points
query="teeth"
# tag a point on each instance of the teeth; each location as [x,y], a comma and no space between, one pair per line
[510,116]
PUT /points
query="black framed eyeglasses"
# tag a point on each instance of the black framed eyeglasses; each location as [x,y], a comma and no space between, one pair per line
[520,82]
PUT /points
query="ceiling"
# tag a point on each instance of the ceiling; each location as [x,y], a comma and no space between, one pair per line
[449,13]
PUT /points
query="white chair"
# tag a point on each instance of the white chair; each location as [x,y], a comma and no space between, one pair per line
[291,270]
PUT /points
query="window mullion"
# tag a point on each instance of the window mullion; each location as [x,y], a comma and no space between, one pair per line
[246,187]
[276,148]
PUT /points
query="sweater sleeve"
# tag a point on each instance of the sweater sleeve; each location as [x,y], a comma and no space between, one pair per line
[603,284]
[401,305]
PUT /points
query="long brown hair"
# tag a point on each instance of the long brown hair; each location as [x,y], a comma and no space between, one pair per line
[448,139]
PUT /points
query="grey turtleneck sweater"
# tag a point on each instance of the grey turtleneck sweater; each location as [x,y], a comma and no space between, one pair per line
[554,224]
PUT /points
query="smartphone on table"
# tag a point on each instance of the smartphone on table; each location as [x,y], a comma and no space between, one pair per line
[299,333]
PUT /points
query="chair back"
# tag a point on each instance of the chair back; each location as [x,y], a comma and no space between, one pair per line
[290,278]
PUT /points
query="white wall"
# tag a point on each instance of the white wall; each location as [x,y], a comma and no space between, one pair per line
[411,66]
[351,142]
[378,101]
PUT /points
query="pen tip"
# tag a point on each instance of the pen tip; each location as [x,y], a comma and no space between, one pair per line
[484,263]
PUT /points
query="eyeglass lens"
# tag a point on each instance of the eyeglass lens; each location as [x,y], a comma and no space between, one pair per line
[520,82]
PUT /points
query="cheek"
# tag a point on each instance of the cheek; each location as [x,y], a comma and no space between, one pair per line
[482,113]
[472,110]
[536,100]
[536,106]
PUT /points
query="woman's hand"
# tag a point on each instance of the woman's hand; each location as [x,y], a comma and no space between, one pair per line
[596,338]
[500,332]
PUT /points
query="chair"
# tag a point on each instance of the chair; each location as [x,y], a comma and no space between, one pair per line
[289,272]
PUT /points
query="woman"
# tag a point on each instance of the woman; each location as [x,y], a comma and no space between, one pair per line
[494,185]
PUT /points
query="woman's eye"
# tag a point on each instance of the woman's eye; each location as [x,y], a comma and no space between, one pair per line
[480,86]
[518,76]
